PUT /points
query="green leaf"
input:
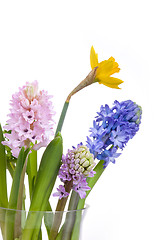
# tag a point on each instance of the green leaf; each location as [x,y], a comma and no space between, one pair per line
[59,236]
[14,195]
[47,173]
[3,181]
[48,218]
[92,180]
[76,229]
[40,235]
[46,176]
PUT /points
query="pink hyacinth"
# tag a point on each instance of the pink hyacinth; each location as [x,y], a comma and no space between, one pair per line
[30,119]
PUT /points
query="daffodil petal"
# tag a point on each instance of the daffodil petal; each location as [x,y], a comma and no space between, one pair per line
[110,85]
[110,81]
[112,59]
[93,58]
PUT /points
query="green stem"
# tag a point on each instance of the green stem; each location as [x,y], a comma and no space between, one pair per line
[11,168]
[86,82]
[3,183]
[70,217]
[91,183]
[17,226]
[62,117]
[3,180]
[10,214]
[59,213]
[32,170]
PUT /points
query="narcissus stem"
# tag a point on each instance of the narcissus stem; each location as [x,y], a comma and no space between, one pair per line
[86,82]
[62,117]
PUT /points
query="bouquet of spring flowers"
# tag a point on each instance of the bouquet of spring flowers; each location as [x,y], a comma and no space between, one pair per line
[30,127]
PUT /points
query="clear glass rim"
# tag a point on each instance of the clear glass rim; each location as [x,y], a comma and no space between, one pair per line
[48,212]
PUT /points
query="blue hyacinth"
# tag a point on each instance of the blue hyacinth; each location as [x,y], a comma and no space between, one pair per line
[112,129]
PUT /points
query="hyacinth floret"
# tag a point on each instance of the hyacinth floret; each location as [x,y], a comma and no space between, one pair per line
[61,192]
[112,129]
[76,166]
[30,119]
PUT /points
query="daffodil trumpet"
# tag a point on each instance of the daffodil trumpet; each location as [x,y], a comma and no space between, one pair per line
[104,70]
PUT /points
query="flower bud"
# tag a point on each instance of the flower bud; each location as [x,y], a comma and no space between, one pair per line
[86,160]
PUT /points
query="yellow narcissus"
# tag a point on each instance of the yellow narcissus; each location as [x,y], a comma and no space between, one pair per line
[101,73]
[104,70]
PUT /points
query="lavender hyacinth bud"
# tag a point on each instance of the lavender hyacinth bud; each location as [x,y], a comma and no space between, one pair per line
[76,166]
[84,160]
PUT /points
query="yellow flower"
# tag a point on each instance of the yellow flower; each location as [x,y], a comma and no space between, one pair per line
[104,70]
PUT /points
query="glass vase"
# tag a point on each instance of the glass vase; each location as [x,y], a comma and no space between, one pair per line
[26,225]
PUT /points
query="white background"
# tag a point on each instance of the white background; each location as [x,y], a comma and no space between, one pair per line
[50,41]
